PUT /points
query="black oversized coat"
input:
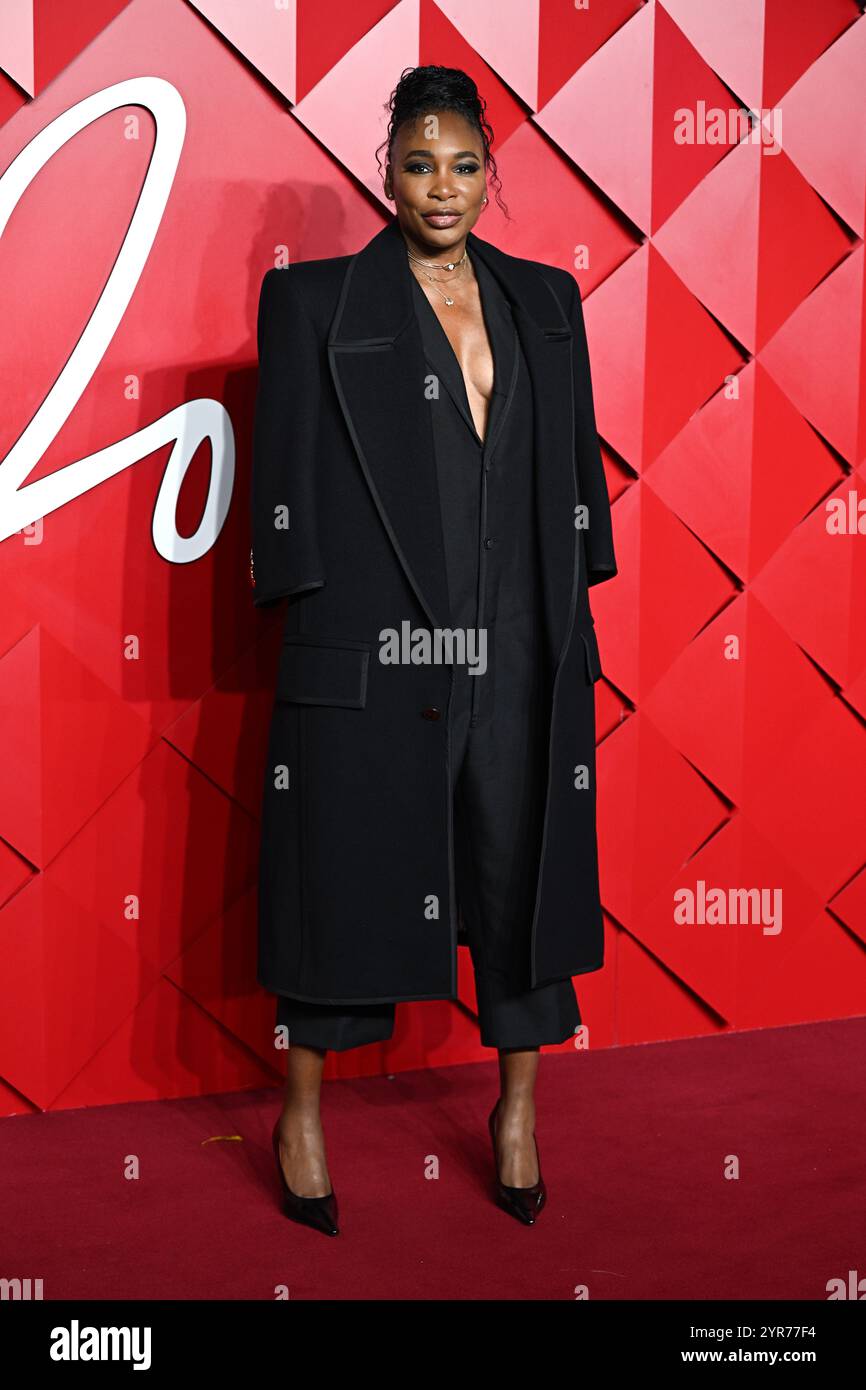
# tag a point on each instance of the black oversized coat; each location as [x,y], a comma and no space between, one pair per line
[356,886]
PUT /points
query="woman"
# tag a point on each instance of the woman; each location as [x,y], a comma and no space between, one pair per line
[428,494]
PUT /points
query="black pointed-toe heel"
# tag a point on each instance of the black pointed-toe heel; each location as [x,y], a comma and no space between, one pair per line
[524,1203]
[318,1212]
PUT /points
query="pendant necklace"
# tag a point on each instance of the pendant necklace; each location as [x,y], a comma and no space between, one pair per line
[441,265]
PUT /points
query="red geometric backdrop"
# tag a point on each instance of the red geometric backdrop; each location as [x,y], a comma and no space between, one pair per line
[157,157]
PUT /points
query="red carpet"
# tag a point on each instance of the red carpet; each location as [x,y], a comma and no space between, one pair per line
[634,1145]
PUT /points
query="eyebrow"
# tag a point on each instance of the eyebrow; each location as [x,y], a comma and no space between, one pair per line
[461,154]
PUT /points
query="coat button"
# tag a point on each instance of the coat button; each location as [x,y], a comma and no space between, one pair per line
[489,542]
[430,713]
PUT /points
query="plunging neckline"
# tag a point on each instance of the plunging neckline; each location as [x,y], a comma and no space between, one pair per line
[482,440]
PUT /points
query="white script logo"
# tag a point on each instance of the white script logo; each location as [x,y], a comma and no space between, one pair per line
[185,426]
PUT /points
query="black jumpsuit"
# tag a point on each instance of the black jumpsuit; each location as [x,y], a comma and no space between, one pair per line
[498,719]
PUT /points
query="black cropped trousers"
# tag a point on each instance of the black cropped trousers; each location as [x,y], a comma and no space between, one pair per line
[499,768]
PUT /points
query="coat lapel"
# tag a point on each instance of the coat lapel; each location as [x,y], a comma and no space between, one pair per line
[377,361]
[546,338]
[440,355]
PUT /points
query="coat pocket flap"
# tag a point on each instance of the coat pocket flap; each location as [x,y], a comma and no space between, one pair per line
[593,658]
[314,672]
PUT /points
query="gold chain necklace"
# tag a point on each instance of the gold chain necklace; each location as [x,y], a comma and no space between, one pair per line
[444,265]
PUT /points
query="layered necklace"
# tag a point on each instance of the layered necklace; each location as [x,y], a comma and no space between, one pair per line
[426,266]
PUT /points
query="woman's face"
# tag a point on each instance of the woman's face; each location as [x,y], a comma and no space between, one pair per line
[437,179]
